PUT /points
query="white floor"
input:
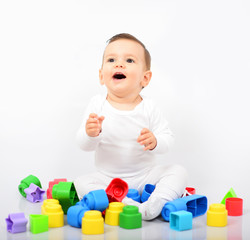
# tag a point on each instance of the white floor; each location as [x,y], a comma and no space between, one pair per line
[238,227]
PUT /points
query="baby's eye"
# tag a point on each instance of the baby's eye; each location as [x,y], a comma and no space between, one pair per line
[111,60]
[130,60]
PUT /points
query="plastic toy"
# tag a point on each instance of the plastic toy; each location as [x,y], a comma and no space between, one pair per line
[234,206]
[16,223]
[92,223]
[117,190]
[53,209]
[112,213]
[25,183]
[181,220]
[96,200]
[39,223]
[130,217]
[196,204]
[134,194]
[148,189]
[34,193]
[217,215]
[231,193]
[65,192]
[75,215]
[51,184]
[190,191]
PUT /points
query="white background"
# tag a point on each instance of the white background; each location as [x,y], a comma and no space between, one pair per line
[50,54]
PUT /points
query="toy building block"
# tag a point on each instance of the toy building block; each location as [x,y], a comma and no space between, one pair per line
[75,215]
[130,217]
[34,193]
[51,184]
[217,215]
[134,194]
[148,189]
[196,204]
[190,191]
[92,223]
[231,193]
[39,223]
[181,220]
[65,192]
[16,223]
[113,212]
[96,200]
[117,190]
[25,183]
[234,206]
[53,209]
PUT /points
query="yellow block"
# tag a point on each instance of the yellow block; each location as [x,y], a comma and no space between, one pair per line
[92,223]
[53,209]
[217,215]
[112,213]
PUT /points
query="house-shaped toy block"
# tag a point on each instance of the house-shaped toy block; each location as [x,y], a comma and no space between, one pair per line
[65,192]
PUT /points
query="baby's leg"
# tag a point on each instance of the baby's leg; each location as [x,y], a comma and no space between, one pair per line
[91,182]
[170,183]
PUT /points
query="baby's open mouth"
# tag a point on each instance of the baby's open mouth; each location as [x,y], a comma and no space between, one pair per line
[119,76]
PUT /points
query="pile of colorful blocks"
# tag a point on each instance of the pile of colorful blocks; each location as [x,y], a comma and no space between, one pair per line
[105,206]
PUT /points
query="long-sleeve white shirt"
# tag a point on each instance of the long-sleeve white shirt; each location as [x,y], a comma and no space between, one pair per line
[117,152]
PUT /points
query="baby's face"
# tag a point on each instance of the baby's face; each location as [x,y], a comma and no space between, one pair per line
[124,70]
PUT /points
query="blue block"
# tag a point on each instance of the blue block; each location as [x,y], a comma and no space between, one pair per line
[181,220]
[196,204]
[75,215]
[148,189]
[96,200]
[134,194]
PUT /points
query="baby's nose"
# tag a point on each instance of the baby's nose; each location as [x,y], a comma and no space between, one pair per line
[119,65]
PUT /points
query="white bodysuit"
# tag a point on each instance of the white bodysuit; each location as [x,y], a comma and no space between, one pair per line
[118,154]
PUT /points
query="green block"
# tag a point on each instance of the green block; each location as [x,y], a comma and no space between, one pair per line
[66,194]
[39,223]
[130,218]
[231,193]
[25,183]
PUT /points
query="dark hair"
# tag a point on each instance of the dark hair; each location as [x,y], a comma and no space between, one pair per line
[131,37]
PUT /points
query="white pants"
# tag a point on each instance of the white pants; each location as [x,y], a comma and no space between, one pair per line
[170,182]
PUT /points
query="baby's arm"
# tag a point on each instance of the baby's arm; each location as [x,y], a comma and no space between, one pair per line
[88,135]
[147,138]
[158,137]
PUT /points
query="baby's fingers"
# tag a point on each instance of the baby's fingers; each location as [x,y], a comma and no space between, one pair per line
[149,147]
[143,137]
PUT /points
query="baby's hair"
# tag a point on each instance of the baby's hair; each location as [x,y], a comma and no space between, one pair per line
[131,37]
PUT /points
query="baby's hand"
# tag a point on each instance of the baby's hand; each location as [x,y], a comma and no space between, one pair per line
[147,139]
[94,125]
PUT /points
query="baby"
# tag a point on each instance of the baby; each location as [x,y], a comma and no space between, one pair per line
[126,130]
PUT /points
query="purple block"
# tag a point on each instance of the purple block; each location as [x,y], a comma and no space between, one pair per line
[34,193]
[16,223]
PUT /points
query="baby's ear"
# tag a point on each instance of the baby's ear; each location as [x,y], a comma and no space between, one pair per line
[101,77]
[146,78]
